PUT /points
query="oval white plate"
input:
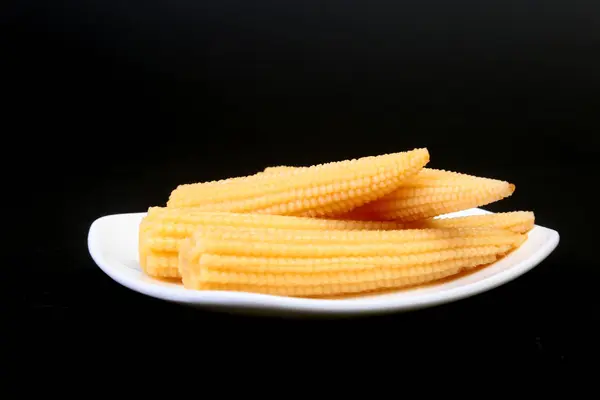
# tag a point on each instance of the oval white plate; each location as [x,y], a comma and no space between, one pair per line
[112,242]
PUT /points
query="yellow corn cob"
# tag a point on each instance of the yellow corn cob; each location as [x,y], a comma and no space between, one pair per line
[516,221]
[275,261]
[162,229]
[432,193]
[317,191]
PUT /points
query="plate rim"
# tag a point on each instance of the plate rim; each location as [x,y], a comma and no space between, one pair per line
[361,305]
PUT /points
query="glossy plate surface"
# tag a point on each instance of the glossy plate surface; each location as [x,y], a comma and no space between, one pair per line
[112,243]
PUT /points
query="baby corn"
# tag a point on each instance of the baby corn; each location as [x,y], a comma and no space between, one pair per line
[333,262]
[432,193]
[317,191]
[162,230]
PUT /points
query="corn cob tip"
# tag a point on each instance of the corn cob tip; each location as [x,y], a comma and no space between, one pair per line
[432,193]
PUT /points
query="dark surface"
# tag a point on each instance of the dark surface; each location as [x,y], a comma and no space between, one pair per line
[132,98]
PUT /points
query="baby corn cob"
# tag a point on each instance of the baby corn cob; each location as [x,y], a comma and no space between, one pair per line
[334,262]
[317,191]
[162,230]
[516,221]
[432,193]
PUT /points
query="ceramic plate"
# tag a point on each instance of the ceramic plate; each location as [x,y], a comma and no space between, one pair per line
[112,242]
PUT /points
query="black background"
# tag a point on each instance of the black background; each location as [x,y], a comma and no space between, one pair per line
[131,98]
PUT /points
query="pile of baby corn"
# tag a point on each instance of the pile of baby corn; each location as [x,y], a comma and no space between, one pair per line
[340,228]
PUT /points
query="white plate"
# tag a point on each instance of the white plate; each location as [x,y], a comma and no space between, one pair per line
[112,242]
